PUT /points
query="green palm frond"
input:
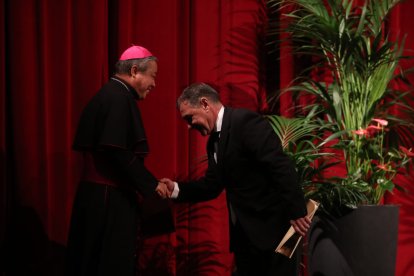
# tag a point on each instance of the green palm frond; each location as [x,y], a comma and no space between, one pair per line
[290,130]
[302,142]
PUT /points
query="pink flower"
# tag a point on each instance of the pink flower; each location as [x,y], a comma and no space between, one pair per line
[369,131]
[383,167]
[408,152]
[372,129]
[361,132]
[381,122]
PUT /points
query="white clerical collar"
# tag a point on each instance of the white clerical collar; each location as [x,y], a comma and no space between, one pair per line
[219,121]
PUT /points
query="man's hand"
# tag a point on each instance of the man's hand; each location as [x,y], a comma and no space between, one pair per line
[301,225]
[169,183]
[165,187]
[162,190]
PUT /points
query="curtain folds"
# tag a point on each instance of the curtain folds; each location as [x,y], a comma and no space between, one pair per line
[399,25]
[55,55]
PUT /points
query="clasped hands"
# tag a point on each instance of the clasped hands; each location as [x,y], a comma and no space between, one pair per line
[165,188]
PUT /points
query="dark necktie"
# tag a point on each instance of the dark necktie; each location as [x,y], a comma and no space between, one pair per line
[215,138]
[215,135]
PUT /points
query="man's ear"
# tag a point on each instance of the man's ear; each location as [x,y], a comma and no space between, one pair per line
[134,70]
[204,103]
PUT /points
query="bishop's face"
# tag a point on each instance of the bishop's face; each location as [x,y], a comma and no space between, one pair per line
[144,82]
[200,118]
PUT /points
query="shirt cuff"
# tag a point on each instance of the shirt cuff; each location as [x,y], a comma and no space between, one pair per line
[176,190]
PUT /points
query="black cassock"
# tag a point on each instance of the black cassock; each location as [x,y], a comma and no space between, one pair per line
[115,203]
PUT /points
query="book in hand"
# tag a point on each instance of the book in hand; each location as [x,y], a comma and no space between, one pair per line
[290,241]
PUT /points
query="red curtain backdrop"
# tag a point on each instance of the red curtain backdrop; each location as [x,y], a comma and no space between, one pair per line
[400,26]
[54,55]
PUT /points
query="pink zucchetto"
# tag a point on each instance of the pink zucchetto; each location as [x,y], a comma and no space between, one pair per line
[134,52]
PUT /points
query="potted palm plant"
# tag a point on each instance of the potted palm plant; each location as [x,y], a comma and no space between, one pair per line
[354,111]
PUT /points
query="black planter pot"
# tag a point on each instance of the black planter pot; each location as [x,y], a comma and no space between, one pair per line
[361,243]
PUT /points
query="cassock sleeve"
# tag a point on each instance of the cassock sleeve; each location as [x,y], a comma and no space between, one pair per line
[132,168]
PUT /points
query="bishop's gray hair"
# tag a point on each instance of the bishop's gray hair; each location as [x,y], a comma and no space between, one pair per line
[124,66]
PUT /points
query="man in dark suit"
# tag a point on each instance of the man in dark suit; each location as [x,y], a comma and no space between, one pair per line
[246,158]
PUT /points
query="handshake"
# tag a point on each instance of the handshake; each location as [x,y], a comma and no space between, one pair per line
[165,188]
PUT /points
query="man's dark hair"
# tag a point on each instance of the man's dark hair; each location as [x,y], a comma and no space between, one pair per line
[124,66]
[193,93]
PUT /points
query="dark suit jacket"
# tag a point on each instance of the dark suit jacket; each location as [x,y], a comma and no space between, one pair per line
[260,180]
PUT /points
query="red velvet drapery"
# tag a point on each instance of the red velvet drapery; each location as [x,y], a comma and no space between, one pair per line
[54,57]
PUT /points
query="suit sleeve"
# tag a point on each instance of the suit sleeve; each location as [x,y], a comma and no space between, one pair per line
[265,147]
[206,188]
